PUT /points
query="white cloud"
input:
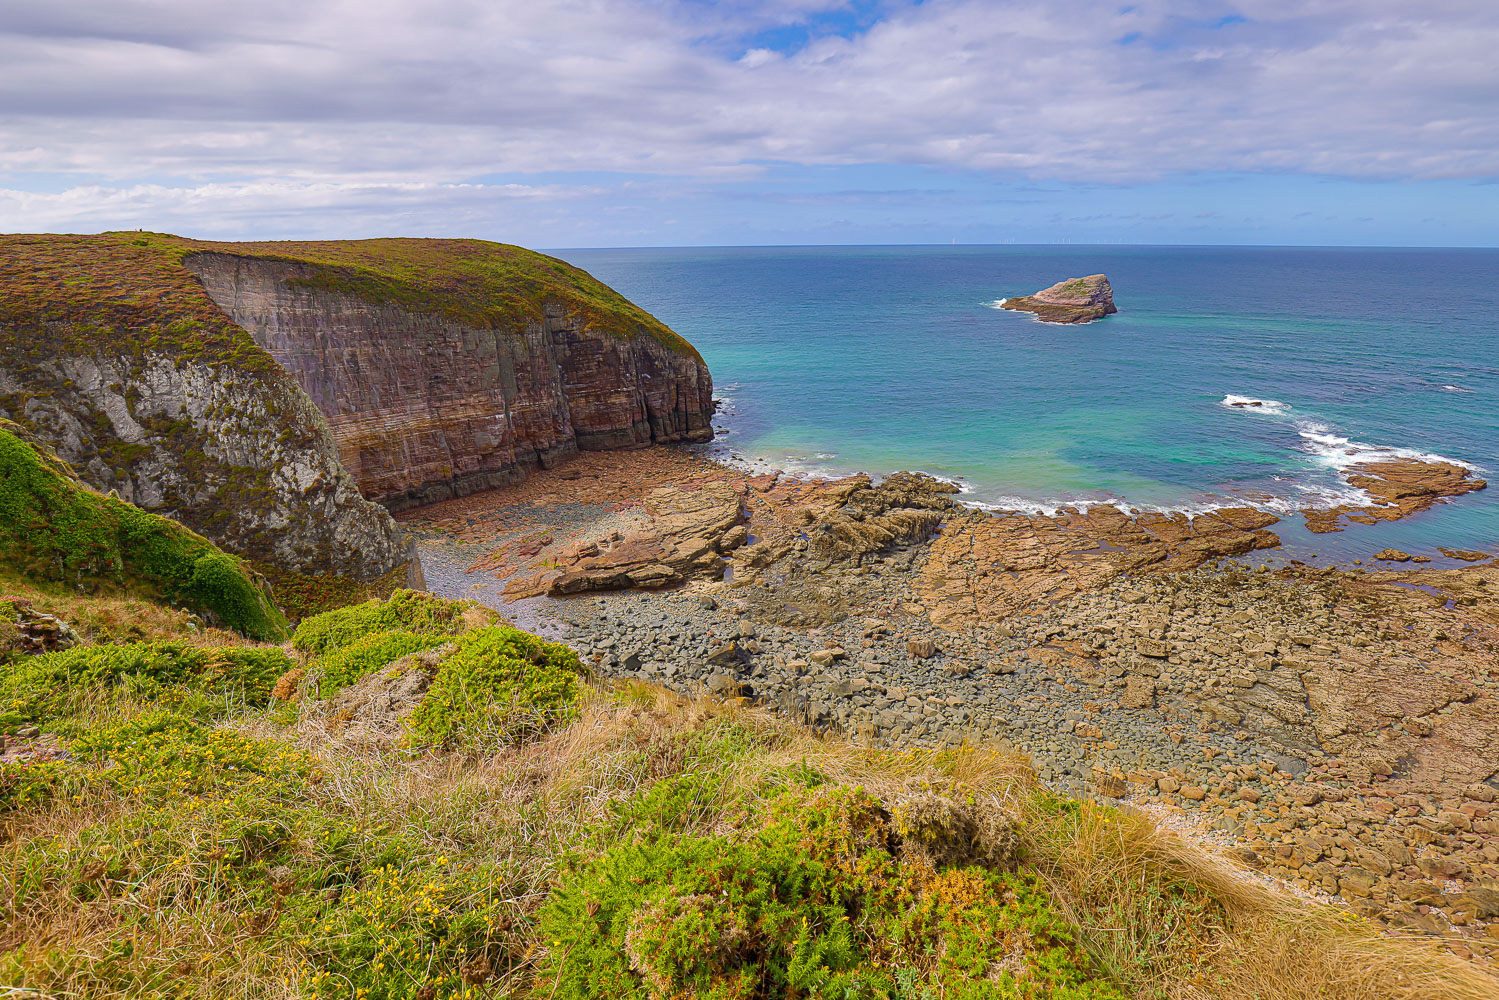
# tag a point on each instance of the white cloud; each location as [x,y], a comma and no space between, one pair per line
[370,96]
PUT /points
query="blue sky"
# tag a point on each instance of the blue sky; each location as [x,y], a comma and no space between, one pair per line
[557,123]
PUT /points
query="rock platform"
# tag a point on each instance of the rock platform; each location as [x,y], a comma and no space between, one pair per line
[1335,729]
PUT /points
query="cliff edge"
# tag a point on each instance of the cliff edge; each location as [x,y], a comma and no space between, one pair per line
[445,367]
[1075,300]
[113,356]
[264,394]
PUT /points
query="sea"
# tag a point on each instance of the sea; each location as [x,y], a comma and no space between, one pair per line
[833,360]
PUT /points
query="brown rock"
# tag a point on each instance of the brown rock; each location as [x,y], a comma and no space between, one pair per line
[1075,300]
[1109,785]
[922,649]
[1139,692]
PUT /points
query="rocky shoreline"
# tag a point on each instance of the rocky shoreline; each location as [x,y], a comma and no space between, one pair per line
[1335,728]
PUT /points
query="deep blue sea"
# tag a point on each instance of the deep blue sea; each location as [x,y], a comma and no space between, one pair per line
[842,359]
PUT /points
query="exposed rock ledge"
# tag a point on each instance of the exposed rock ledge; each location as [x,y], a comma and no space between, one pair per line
[1075,300]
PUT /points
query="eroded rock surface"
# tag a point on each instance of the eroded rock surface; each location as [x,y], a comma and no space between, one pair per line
[987,567]
[1400,487]
[1074,300]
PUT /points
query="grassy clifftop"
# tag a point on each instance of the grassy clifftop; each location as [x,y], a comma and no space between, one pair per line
[132,289]
[53,528]
[426,805]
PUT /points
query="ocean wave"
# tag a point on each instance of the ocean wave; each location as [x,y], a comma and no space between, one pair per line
[1254,405]
[1332,449]
[1455,388]
[997,303]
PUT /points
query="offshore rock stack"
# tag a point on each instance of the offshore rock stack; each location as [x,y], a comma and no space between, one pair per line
[1075,300]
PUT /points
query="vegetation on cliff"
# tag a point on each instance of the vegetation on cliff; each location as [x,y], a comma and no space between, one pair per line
[637,844]
[112,352]
[52,527]
[130,290]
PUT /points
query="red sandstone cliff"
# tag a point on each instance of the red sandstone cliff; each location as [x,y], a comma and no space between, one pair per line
[425,406]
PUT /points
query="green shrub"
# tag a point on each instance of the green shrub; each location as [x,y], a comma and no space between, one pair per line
[344,666]
[813,900]
[217,582]
[160,757]
[405,610]
[49,687]
[30,783]
[498,685]
[413,931]
[162,754]
[53,528]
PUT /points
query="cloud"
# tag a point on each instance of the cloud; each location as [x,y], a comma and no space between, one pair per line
[375,96]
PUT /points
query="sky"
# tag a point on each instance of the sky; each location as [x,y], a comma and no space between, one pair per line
[580,123]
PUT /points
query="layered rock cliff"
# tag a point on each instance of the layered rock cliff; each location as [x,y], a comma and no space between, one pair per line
[111,354]
[427,401]
[253,390]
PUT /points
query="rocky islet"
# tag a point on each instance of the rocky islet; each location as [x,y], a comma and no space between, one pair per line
[1072,300]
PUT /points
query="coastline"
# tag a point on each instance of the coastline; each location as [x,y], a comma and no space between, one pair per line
[1289,708]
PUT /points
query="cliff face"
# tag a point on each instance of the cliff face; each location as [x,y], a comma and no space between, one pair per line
[111,354]
[426,405]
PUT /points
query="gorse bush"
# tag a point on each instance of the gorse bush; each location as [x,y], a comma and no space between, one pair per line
[56,529]
[405,610]
[497,686]
[159,757]
[428,930]
[49,688]
[811,895]
[348,664]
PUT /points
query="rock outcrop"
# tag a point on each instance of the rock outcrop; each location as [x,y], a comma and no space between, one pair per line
[1398,487]
[426,405]
[264,393]
[112,356]
[1075,300]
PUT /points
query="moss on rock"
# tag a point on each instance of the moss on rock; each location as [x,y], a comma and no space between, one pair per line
[54,528]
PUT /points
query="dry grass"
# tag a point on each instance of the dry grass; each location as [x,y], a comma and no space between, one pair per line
[119,618]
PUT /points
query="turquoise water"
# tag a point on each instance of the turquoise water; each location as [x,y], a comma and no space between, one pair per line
[842,359]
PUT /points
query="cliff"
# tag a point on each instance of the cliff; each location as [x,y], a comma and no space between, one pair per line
[112,355]
[252,390]
[445,367]
[1075,300]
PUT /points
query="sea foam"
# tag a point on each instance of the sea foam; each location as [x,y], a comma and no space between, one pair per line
[1253,405]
